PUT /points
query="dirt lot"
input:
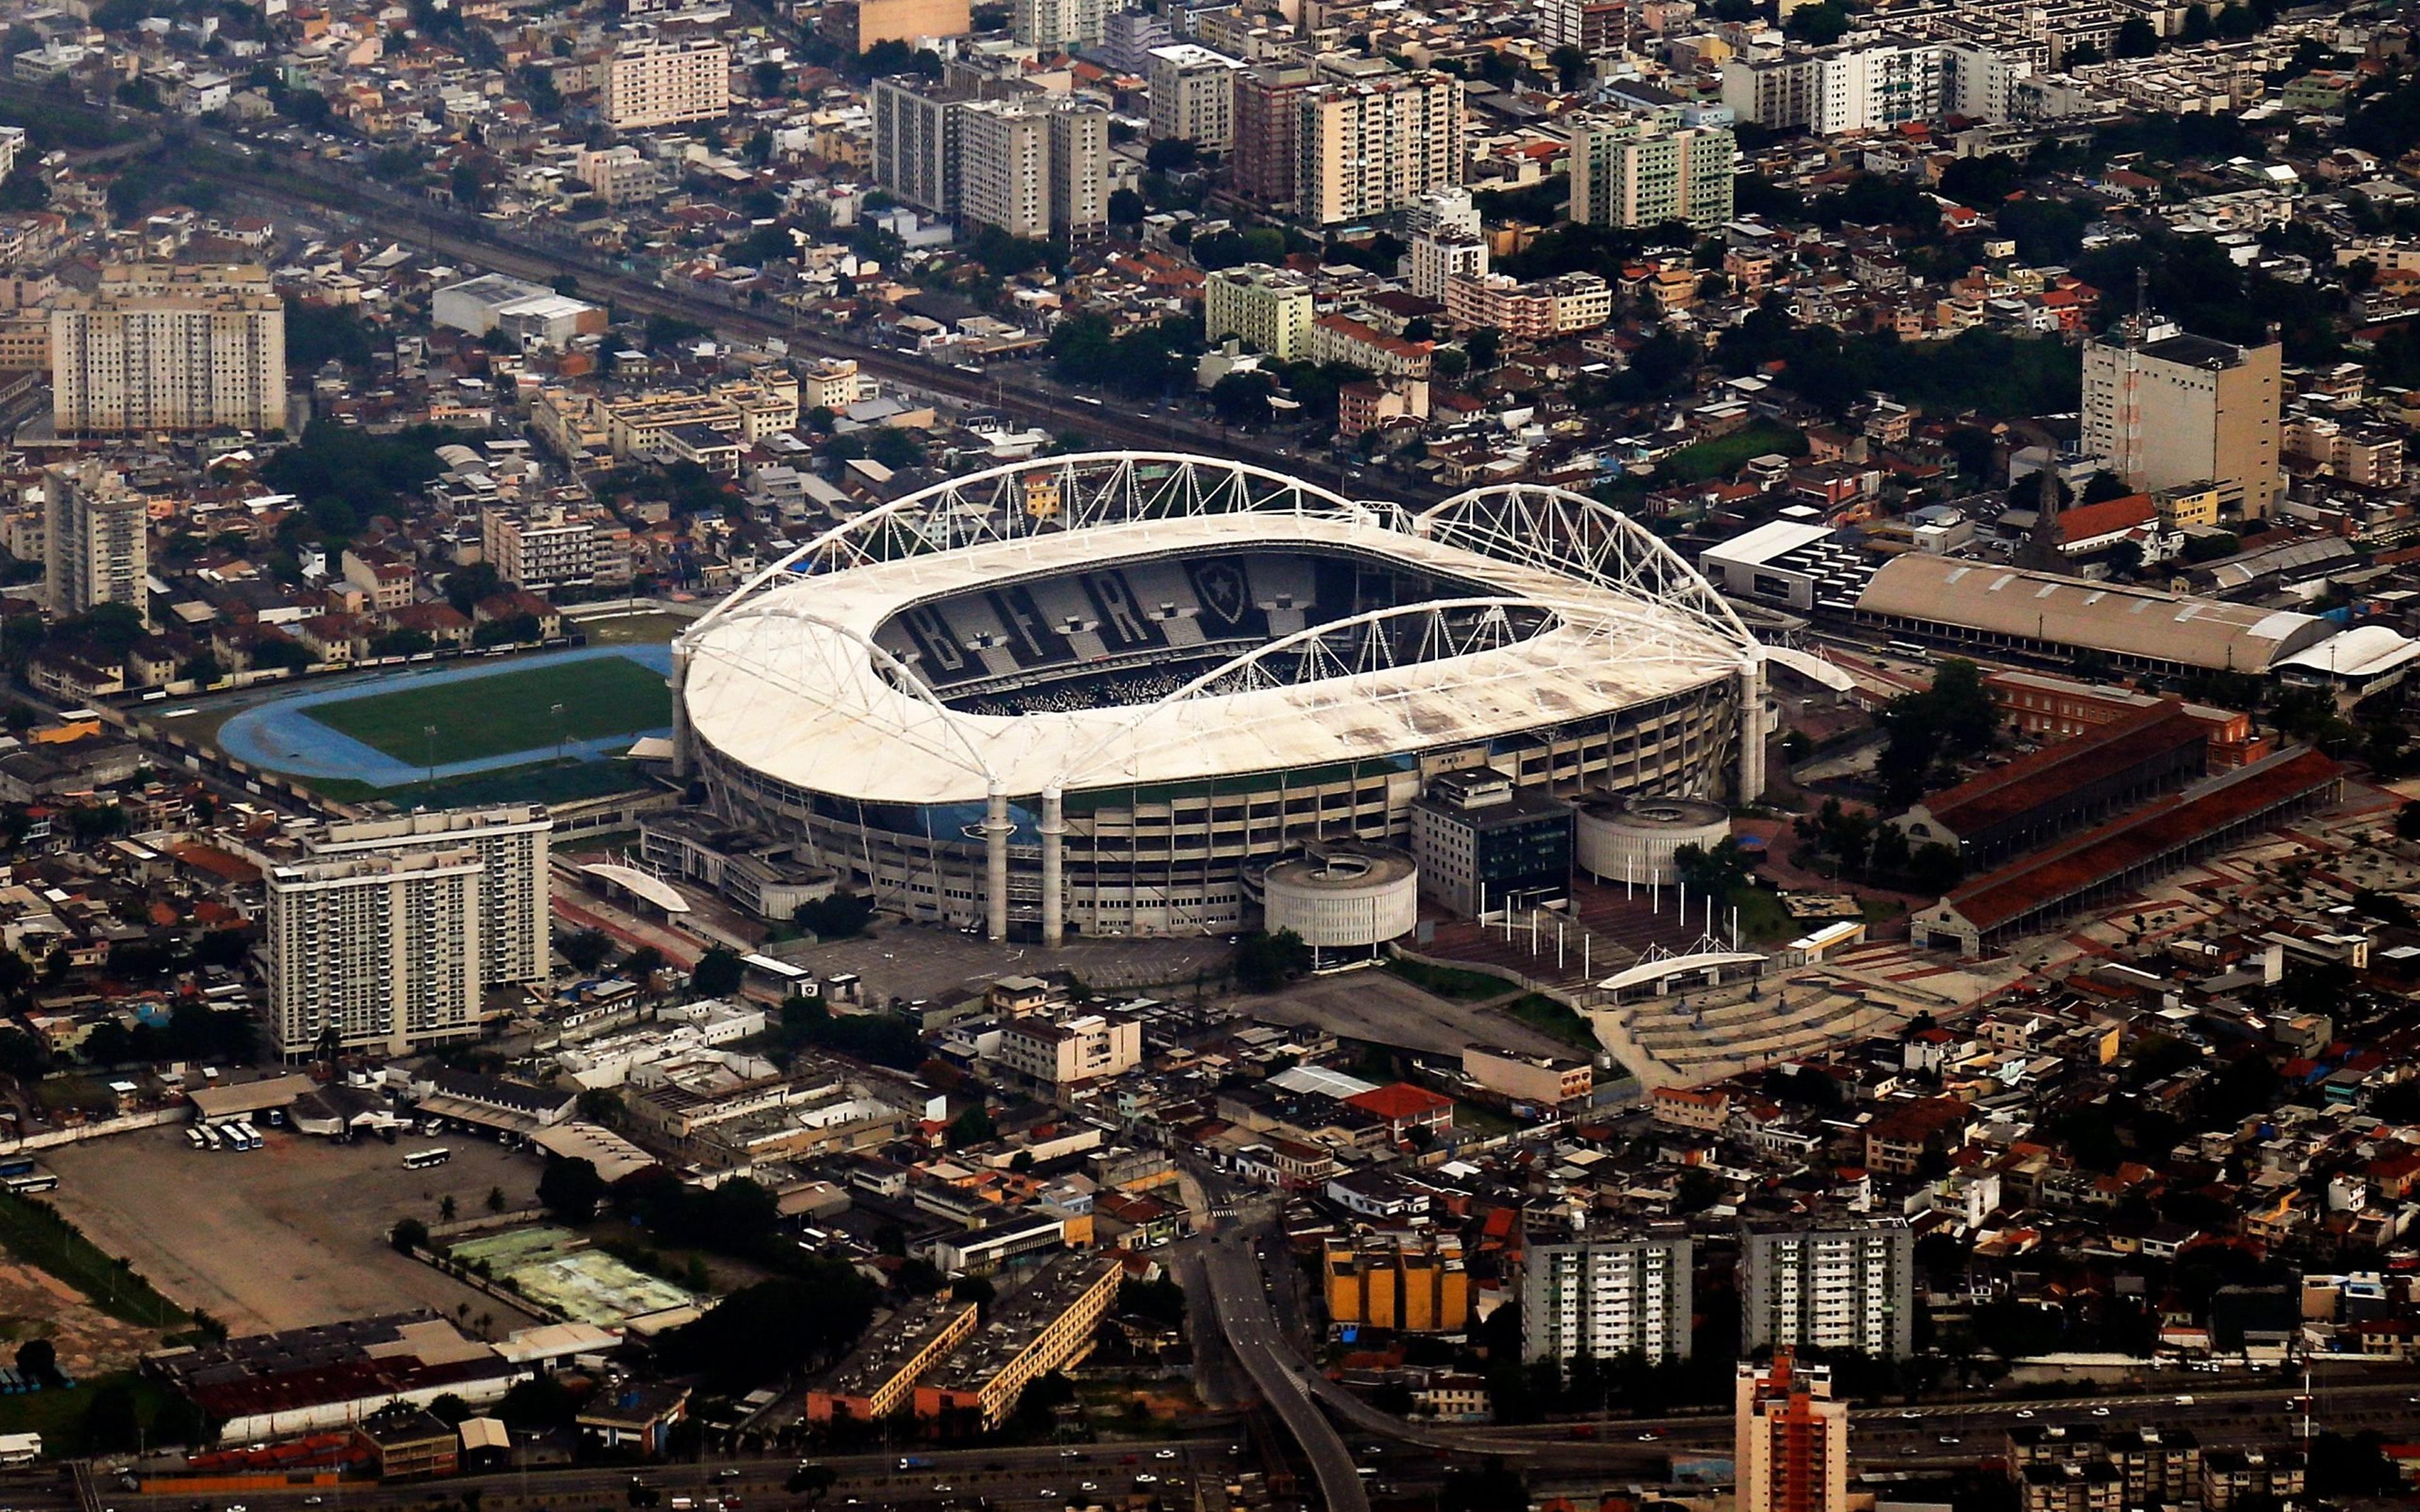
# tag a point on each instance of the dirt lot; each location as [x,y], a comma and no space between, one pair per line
[285,1236]
[1383,1007]
[37,1304]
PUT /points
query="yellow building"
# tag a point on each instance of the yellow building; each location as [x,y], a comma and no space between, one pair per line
[1045,1324]
[2191,503]
[1405,1282]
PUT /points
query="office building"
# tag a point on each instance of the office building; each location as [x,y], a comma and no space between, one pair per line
[1636,168]
[168,349]
[1059,25]
[1193,95]
[915,141]
[663,83]
[1005,168]
[380,951]
[1483,844]
[1269,132]
[1267,309]
[1845,1285]
[1607,1298]
[511,845]
[1409,1283]
[858,24]
[96,546]
[1790,1439]
[2168,409]
[1377,146]
[1060,1052]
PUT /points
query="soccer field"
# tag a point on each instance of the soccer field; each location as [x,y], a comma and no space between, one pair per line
[481,716]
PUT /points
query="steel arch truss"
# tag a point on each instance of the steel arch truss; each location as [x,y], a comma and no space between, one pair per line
[1559,531]
[1048,495]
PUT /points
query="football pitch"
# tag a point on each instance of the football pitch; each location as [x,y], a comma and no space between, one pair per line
[478,717]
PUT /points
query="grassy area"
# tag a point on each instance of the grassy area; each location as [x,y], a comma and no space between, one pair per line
[547,781]
[58,1415]
[633,629]
[508,712]
[1762,920]
[1482,1120]
[1723,455]
[1878,910]
[1554,1017]
[35,1233]
[1448,982]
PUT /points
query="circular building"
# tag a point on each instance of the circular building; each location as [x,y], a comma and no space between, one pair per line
[1617,839]
[1344,899]
[1092,692]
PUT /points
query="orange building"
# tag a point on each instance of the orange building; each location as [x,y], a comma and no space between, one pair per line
[1404,1283]
[1791,1439]
[2055,708]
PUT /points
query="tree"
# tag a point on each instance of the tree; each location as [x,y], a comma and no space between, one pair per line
[408,1234]
[2407,821]
[1126,208]
[450,1409]
[1711,871]
[813,1480]
[586,950]
[1242,399]
[718,973]
[1935,867]
[495,1199]
[1570,66]
[971,1127]
[1819,25]
[775,1327]
[1484,346]
[39,1360]
[1170,154]
[445,1207]
[1264,963]
[643,963]
[842,915]
[766,78]
[570,1190]
[2136,38]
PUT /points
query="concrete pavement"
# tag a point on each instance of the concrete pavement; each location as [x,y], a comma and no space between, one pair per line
[1250,1327]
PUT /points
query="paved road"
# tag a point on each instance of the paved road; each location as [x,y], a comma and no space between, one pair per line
[1251,1330]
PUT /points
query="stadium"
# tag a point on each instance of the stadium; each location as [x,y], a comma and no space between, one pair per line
[1106,692]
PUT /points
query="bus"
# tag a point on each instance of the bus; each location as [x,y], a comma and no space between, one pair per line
[211,1137]
[422,1158]
[246,1137]
[193,1137]
[24,1185]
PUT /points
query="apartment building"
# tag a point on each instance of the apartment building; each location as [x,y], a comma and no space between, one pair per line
[96,546]
[376,951]
[1539,310]
[543,547]
[1005,168]
[1849,1285]
[1789,1438]
[1639,168]
[1045,1324]
[2361,452]
[1607,1298]
[878,1377]
[1410,1283]
[1269,132]
[169,348]
[1079,171]
[510,899]
[1061,25]
[915,141]
[1267,309]
[1377,146]
[858,24]
[1074,1049]
[1870,83]
[621,175]
[1193,95]
[659,81]
[2169,408]
[1439,258]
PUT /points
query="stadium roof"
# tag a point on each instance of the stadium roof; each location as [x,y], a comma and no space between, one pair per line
[2117,619]
[785,677]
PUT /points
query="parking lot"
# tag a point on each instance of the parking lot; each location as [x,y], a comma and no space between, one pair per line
[286,1236]
[926,961]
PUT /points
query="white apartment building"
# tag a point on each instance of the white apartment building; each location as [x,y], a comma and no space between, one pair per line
[915,143]
[1061,24]
[169,348]
[1267,308]
[1639,168]
[96,546]
[664,82]
[1867,84]
[1005,168]
[1840,1287]
[1377,146]
[381,951]
[1979,82]
[1079,173]
[1076,1050]
[509,846]
[1604,1298]
[1438,257]
[1193,95]
[542,546]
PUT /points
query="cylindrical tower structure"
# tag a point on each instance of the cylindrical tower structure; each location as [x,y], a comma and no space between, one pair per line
[1634,839]
[1355,898]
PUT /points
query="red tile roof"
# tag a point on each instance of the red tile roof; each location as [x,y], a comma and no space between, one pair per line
[2005,792]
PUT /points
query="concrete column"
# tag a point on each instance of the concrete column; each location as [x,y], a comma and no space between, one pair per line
[1751,728]
[1054,904]
[684,759]
[996,830]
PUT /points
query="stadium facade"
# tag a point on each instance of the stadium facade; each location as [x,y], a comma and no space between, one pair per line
[1105,692]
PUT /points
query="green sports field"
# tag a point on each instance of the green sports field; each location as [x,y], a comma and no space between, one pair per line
[482,717]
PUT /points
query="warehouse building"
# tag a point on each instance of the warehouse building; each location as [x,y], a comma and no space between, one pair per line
[2036,798]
